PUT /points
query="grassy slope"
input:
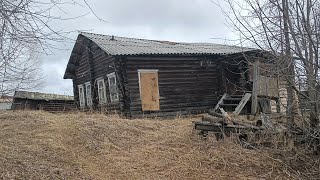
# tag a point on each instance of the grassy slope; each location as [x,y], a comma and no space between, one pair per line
[39,145]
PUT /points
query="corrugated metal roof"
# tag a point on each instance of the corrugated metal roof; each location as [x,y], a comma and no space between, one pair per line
[114,45]
[41,96]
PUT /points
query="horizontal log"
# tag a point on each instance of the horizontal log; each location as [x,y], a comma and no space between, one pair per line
[210,78]
[213,113]
[178,63]
[176,111]
[212,119]
[247,125]
[173,71]
[162,58]
[173,95]
[202,109]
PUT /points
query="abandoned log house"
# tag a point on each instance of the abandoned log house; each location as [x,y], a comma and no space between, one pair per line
[139,77]
[26,100]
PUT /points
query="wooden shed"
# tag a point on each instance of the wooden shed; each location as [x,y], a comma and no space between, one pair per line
[5,102]
[139,77]
[25,100]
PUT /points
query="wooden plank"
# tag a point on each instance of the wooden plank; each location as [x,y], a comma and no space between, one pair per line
[220,102]
[212,113]
[212,119]
[268,87]
[254,102]
[242,103]
[223,112]
[247,125]
[149,91]
[218,127]
[225,115]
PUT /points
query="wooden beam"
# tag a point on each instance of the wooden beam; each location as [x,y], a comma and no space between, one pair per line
[213,113]
[241,104]
[218,127]
[255,87]
[220,101]
[211,119]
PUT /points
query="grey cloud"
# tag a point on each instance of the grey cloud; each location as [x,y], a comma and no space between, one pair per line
[173,20]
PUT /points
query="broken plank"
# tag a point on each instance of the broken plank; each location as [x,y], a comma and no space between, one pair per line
[220,102]
[242,103]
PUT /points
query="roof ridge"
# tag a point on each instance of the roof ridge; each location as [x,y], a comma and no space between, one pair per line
[162,41]
[119,45]
[81,32]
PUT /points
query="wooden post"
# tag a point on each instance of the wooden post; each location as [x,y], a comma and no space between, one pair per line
[255,87]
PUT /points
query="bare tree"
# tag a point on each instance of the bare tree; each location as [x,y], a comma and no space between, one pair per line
[20,68]
[25,33]
[290,31]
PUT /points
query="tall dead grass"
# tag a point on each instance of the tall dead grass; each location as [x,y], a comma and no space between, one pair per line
[40,145]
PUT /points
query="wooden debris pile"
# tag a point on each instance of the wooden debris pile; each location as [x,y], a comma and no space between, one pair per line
[224,126]
[224,123]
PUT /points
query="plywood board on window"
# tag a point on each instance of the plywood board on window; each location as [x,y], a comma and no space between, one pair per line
[149,91]
[268,87]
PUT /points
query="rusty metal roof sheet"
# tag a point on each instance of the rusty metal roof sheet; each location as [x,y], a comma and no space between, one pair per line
[41,96]
[114,45]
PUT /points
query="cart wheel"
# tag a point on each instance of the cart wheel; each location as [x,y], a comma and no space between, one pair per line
[219,136]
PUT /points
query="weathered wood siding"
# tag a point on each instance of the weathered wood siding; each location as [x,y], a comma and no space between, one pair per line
[93,63]
[51,105]
[187,84]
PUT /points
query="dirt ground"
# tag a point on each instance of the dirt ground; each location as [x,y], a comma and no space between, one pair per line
[40,145]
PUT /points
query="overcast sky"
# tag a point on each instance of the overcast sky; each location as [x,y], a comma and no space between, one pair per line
[172,20]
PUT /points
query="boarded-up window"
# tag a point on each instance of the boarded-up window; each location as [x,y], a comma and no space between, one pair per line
[149,90]
[102,91]
[88,94]
[114,96]
[268,86]
[81,95]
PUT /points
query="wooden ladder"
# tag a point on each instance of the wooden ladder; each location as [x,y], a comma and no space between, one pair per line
[232,103]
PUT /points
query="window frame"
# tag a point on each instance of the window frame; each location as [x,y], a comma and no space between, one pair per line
[88,95]
[110,76]
[82,101]
[102,101]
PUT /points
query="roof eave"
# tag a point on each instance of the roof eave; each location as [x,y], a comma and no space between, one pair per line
[67,73]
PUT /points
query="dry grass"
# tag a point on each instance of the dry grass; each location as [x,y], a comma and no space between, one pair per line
[40,145]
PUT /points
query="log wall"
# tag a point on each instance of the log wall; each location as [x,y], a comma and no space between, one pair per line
[186,84]
[50,106]
[94,63]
